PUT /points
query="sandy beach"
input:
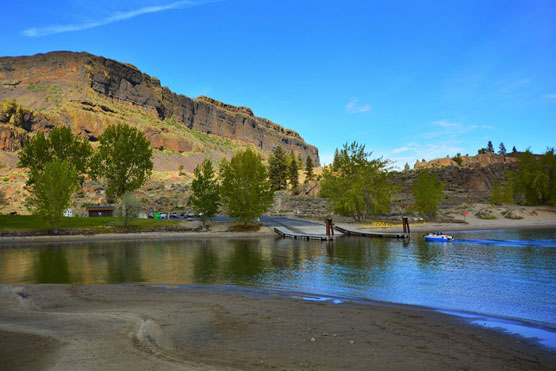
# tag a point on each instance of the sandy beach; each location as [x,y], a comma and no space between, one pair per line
[145,327]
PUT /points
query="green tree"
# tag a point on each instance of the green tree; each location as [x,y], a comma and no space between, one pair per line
[406,168]
[356,185]
[428,191]
[278,169]
[60,144]
[123,160]
[293,172]
[514,150]
[309,168]
[245,189]
[300,163]
[502,149]
[51,192]
[500,194]
[205,199]
[490,147]
[535,181]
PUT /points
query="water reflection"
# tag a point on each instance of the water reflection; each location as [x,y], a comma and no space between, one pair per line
[244,263]
[52,266]
[205,264]
[507,279]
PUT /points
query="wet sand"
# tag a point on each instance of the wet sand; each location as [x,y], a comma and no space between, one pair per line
[144,327]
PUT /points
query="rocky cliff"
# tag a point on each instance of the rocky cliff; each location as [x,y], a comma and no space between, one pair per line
[88,93]
[476,162]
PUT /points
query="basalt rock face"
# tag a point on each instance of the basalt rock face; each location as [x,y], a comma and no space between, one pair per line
[461,184]
[476,162]
[88,93]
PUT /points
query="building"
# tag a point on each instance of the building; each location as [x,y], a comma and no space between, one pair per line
[143,214]
[99,210]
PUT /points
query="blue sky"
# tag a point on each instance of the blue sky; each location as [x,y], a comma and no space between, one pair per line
[409,79]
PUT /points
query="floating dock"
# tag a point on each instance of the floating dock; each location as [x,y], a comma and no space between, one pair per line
[286,233]
[355,232]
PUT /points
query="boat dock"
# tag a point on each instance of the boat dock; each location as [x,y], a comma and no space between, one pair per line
[355,232]
[286,233]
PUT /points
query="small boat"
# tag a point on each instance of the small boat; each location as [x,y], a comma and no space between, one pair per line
[438,237]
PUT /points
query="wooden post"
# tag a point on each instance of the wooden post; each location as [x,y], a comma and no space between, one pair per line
[405,224]
[327,228]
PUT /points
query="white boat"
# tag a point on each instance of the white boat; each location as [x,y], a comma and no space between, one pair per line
[438,237]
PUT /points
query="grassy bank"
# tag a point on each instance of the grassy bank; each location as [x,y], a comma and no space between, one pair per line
[32,224]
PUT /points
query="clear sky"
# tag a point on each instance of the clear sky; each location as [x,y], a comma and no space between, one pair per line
[409,79]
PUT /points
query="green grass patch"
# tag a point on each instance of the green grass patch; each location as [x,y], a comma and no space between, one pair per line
[33,223]
[37,87]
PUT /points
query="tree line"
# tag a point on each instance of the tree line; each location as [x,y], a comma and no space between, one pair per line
[283,169]
[58,164]
[355,184]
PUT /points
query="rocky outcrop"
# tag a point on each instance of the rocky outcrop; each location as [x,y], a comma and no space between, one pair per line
[11,138]
[60,82]
[16,122]
[461,184]
[476,162]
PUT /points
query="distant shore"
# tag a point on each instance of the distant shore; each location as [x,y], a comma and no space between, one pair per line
[532,217]
[176,327]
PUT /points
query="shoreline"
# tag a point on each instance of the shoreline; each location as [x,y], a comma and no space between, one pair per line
[225,327]
[264,232]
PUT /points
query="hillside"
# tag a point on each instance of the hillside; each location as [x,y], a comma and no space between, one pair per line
[88,93]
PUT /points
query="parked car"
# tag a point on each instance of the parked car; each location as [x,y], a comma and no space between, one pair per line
[163,216]
[174,215]
[151,216]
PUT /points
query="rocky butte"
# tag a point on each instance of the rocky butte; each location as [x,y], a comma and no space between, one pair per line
[88,93]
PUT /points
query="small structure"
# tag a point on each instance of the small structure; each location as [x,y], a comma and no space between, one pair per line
[68,213]
[143,214]
[99,210]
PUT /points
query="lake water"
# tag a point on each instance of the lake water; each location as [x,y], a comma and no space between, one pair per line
[508,274]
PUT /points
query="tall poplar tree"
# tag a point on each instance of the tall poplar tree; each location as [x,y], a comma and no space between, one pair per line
[245,188]
[123,160]
[60,144]
[51,191]
[205,199]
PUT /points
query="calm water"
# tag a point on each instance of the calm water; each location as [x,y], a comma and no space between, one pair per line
[500,273]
